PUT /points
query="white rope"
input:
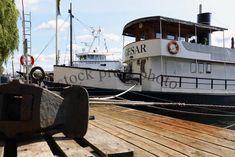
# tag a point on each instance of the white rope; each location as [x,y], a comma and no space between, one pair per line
[111,97]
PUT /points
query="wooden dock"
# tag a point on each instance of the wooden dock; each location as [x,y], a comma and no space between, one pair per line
[123,132]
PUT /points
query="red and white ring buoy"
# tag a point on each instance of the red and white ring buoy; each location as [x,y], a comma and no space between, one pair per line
[173,47]
[23,60]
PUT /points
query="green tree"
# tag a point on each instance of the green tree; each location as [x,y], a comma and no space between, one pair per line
[9,36]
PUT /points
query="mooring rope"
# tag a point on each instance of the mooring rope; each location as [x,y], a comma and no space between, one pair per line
[190,112]
[114,96]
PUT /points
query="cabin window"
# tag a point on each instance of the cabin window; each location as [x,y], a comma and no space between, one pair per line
[143,36]
[158,35]
[103,65]
[92,57]
[208,68]
[103,57]
[170,37]
[200,68]
[128,67]
[82,57]
[181,38]
[193,68]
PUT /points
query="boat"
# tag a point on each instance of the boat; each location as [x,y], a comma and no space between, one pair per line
[178,62]
[95,60]
[92,69]
[175,60]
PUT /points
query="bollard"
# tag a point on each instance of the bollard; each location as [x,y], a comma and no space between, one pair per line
[28,109]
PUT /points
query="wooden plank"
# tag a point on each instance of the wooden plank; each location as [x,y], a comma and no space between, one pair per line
[198,127]
[138,152]
[192,142]
[36,148]
[1,148]
[70,147]
[158,142]
[178,129]
[105,144]
[138,141]
[151,136]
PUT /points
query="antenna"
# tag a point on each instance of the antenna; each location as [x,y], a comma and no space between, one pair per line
[200,8]
[71,30]
[105,45]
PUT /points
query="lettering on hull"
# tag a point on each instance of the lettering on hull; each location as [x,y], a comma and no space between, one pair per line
[135,50]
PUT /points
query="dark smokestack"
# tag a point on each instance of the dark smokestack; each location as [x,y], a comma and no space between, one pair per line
[203,18]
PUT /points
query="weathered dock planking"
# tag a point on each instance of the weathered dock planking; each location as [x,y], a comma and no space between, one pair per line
[1,148]
[163,135]
[105,144]
[37,148]
[119,131]
[70,147]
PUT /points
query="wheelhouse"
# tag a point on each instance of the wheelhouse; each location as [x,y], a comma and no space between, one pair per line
[173,29]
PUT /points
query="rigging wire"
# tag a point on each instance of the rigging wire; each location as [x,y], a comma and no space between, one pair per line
[51,39]
[66,49]
[85,25]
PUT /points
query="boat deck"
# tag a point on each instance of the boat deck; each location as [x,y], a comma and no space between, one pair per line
[120,131]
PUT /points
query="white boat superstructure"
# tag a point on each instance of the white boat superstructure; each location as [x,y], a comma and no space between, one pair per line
[195,67]
[176,57]
[96,61]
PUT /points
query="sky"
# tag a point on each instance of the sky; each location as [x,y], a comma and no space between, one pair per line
[110,16]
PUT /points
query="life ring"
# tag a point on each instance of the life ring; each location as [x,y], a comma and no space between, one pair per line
[173,47]
[23,62]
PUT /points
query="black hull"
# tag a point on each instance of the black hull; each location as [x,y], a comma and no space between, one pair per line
[188,98]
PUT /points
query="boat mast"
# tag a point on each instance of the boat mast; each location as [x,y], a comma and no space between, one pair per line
[56,33]
[71,34]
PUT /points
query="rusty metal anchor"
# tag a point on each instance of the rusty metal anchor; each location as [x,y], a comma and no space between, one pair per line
[28,109]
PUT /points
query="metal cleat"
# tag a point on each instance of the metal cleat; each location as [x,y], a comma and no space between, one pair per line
[28,109]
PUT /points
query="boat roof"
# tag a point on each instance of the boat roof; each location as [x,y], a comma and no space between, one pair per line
[91,53]
[169,24]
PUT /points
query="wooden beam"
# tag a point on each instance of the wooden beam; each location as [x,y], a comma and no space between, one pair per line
[70,147]
[1,148]
[37,148]
[105,144]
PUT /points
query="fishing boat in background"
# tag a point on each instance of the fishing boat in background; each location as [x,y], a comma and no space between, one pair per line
[94,58]
[94,69]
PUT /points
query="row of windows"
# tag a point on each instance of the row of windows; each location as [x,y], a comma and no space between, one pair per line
[201,68]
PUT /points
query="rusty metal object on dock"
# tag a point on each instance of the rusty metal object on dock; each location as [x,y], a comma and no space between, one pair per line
[27,109]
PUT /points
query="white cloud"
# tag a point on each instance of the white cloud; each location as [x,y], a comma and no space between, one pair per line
[217,38]
[46,61]
[28,4]
[115,50]
[62,25]
[85,38]
[112,37]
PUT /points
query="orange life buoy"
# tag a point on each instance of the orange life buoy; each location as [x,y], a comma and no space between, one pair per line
[173,47]
[22,60]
